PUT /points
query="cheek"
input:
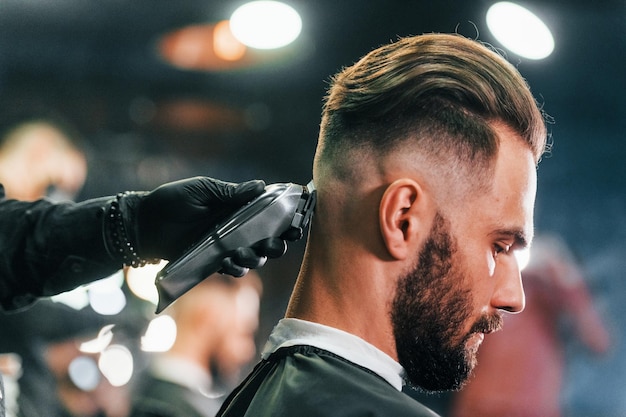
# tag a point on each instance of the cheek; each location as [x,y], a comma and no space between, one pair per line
[478,254]
[490,263]
[479,276]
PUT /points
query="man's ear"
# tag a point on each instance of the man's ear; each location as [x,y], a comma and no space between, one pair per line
[401,214]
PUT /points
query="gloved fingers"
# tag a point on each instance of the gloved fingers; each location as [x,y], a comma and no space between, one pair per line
[244,259]
[246,191]
[248,258]
[177,214]
[272,247]
[214,190]
[231,268]
[293,234]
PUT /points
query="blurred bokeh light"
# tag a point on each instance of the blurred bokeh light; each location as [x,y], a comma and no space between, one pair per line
[519,30]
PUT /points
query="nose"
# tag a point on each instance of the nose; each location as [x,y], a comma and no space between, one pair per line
[509,292]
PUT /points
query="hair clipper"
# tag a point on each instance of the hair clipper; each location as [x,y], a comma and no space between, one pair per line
[282,208]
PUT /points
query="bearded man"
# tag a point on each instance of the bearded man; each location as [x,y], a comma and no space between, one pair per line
[426,178]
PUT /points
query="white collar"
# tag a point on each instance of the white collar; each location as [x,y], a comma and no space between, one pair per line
[291,332]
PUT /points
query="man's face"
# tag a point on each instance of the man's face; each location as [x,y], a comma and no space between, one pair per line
[466,273]
[237,346]
[429,314]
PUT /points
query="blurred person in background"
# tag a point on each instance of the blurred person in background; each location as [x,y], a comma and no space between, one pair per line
[59,378]
[41,156]
[48,247]
[520,370]
[216,323]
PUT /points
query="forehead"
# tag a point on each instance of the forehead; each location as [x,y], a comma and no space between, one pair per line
[509,203]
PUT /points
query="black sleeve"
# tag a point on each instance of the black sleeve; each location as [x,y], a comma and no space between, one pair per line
[47,248]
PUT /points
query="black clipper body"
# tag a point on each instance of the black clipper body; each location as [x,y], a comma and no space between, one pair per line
[283,207]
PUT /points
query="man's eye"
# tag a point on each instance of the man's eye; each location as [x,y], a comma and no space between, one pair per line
[499,248]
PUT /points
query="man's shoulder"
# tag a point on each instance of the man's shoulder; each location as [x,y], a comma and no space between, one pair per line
[310,382]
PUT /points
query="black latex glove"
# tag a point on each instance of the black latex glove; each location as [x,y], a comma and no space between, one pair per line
[176,215]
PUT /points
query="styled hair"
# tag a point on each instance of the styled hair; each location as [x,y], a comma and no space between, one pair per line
[440,91]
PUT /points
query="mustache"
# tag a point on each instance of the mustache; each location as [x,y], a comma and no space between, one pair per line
[488,323]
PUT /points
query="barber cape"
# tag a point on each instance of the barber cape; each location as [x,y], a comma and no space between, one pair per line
[312,370]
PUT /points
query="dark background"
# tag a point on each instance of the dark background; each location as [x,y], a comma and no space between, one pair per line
[95,61]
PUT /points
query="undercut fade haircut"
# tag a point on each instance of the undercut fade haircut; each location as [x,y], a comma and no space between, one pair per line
[440,91]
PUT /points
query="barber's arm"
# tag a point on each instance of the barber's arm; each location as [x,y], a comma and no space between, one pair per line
[47,248]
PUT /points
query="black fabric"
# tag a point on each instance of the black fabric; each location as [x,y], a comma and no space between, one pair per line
[177,214]
[305,381]
[47,248]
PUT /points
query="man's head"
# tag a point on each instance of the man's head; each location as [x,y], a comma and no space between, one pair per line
[40,153]
[439,92]
[425,171]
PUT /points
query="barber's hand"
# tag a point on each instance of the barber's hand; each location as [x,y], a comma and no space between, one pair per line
[176,215]
[246,258]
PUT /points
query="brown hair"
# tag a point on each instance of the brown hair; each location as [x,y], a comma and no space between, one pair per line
[440,91]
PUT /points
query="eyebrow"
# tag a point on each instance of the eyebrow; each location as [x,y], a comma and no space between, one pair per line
[520,237]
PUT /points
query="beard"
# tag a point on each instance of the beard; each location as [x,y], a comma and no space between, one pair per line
[430,309]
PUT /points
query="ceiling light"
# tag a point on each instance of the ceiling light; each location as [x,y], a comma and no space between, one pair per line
[265,24]
[519,30]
